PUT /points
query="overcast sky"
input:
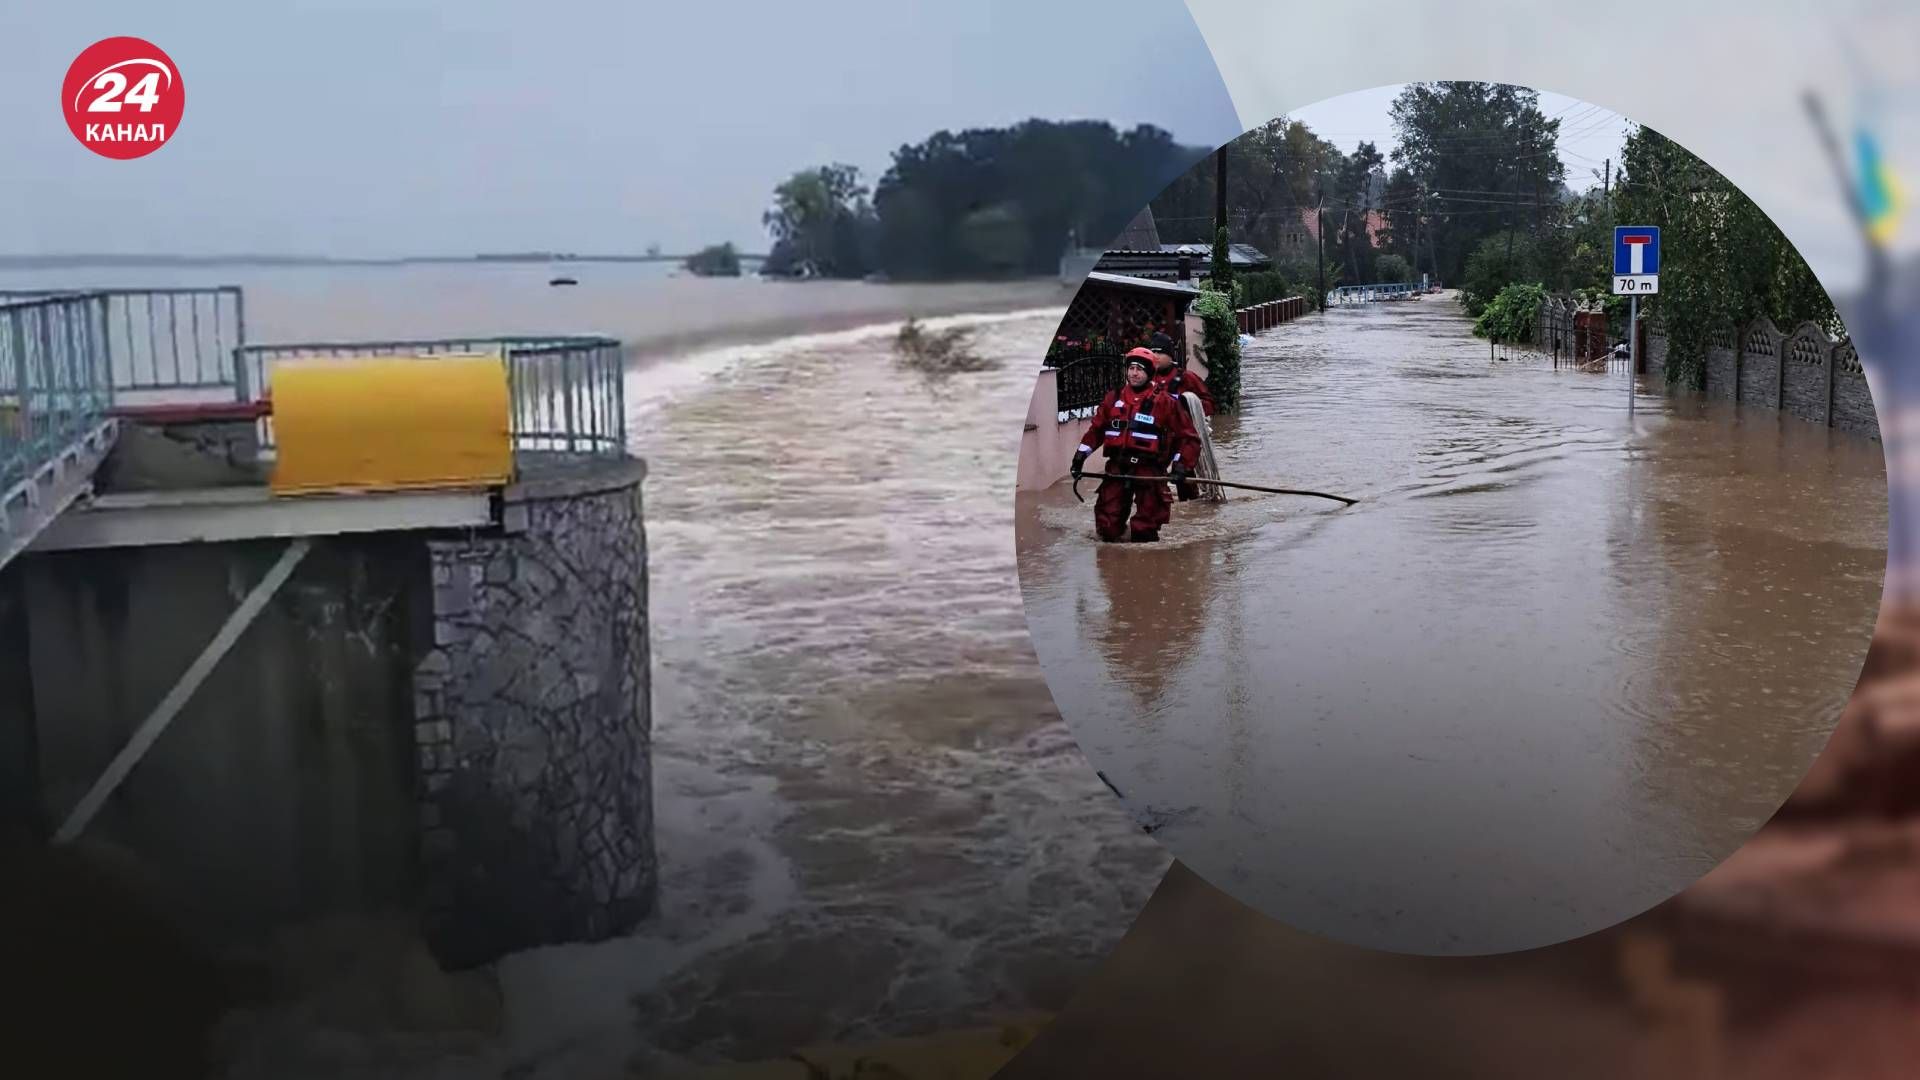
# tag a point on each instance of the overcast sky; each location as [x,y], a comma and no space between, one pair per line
[1725,78]
[1589,134]
[385,127]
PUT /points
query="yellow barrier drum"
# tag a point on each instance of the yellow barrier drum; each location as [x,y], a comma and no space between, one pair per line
[390,423]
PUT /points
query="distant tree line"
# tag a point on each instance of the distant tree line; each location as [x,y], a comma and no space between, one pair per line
[1474,194]
[716,260]
[984,202]
[1475,161]
[1481,164]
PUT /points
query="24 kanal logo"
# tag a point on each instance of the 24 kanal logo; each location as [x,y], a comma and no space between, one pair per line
[123,97]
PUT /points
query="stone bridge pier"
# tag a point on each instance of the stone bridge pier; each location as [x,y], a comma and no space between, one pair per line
[531,722]
[436,702]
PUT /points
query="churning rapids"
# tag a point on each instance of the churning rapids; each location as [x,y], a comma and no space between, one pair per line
[871,818]
[1557,663]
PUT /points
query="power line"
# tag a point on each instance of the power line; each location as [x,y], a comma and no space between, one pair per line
[1299,214]
[1584,115]
[1479,137]
[1596,128]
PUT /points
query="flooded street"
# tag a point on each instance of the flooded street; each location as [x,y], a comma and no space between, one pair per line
[871,819]
[1556,664]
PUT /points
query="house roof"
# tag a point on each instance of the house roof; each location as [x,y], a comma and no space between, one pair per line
[1238,254]
[1140,284]
[1140,233]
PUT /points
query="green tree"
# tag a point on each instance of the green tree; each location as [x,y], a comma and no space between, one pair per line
[1275,173]
[1402,208]
[817,220]
[1352,239]
[946,207]
[1391,268]
[1485,154]
[996,238]
[1498,261]
[1723,261]
[1220,339]
[1221,271]
[716,260]
[1513,315]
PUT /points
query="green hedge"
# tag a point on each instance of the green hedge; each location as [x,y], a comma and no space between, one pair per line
[1512,314]
[1220,336]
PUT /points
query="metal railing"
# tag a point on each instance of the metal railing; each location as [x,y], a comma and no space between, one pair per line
[569,396]
[567,392]
[55,385]
[1086,382]
[167,340]
[169,345]
[1368,294]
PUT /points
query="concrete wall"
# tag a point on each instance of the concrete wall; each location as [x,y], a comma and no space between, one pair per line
[19,750]
[1720,370]
[283,789]
[533,724]
[1759,370]
[1803,373]
[1047,444]
[452,725]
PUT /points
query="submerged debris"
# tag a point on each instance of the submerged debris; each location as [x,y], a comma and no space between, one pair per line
[1149,819]
[937,355]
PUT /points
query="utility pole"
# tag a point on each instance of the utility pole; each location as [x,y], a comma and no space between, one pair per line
[1419,212]
[1320,235]
[1433,250]
[1417,225]
[1606,184]
[1510,223]
[1219,190]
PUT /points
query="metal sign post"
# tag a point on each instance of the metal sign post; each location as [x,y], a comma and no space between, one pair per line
[1636,271]
[1633,347]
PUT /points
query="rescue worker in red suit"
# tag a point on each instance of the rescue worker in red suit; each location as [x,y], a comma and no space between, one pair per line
[1176,380]
[1174,377]
[1145,434]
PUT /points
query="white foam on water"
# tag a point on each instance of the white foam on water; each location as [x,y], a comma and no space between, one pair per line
[651,388]
[569,1008]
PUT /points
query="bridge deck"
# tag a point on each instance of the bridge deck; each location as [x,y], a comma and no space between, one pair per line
[56,480]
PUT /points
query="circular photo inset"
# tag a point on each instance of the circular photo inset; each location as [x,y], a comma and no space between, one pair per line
[1452,518]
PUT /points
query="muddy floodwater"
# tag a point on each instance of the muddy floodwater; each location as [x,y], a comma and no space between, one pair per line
[871,819]
[1558,662]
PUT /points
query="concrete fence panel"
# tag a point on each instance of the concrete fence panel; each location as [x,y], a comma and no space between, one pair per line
[1805,355]
[1760,363]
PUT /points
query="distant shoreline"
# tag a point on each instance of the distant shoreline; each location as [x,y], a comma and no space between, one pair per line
[657,316]
[871,305]
[62,262]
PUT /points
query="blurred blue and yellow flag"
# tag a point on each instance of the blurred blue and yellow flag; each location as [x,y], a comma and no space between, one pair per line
[1881,195]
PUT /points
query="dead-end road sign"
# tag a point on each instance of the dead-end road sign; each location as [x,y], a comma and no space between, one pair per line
[1636,260]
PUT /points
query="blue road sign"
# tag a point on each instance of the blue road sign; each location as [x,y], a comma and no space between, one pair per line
[1636,250]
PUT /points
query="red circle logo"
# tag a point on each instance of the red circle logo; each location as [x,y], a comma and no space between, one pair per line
[123,97]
